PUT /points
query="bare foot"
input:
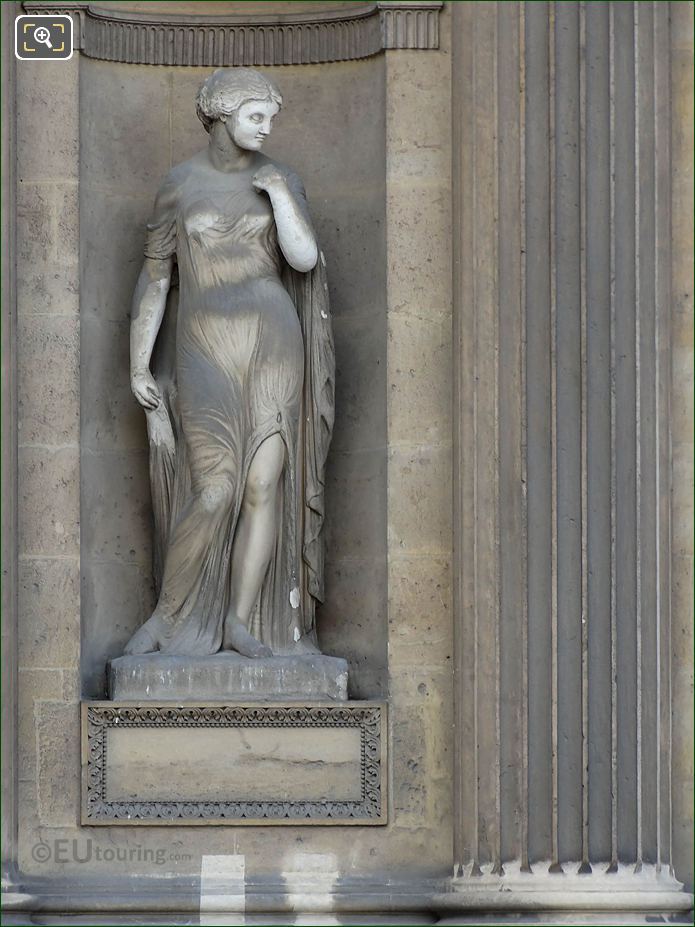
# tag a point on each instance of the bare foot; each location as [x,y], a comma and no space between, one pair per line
[146,639]
[305,646]
[236,637]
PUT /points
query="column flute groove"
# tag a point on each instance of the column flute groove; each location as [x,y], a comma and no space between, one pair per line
[476,597]
[555,863]
[657,462]
[496,849]
[614,682]
[638,437]
[524,856]
[585,866]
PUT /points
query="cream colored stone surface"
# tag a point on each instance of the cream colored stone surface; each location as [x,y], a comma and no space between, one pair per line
[49,379]
[419,353]
[419,263]
[233,764]
[46,110]
[58,756]
[49,598]
[389,473]
[420,611]
[116,493]
[47,261]
[418,158]
[419,500]
[422,750]
[33,685]
[49,500]
[355,482]
[112,598]
[349,212]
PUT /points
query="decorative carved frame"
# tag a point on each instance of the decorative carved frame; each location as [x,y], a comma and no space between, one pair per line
[99,717]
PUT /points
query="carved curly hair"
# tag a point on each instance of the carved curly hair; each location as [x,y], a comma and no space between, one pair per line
[226,89]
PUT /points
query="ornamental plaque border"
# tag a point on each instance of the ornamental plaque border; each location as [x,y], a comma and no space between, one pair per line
[370,717]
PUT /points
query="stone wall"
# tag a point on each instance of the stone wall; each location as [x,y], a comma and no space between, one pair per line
[508,238]
[377,178]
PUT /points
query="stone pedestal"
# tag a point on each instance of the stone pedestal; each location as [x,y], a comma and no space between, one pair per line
[228,676]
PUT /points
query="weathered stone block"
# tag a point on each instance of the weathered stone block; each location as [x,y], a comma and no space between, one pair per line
[419,244]
[227,675]
[356,504]
[49,599]
[420,625]
[49,379]
[422,747]
[111,417]
[48,223]
[112,224]
[360,378]
[117,598]
[47,120]
[48,286]
[57,730]
[352,622]
[126,149]
[49,500]
[36,207]
[352,235]
[116,493]
[418,136]
[419,376]
[256,764]
[420,499]
[32,686]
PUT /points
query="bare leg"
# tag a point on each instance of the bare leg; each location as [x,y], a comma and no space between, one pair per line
[254,541]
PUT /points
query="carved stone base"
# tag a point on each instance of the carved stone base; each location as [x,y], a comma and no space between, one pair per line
[228,676]
[235,764]
[569,888]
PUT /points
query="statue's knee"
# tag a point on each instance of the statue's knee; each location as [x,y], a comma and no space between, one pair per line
[217,498]
[260,490]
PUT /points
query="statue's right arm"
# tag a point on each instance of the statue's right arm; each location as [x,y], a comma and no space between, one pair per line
[149,304]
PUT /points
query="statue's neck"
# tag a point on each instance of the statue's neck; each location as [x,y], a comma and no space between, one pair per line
[224,154]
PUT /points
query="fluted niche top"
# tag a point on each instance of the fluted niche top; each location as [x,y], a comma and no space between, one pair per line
[256,34]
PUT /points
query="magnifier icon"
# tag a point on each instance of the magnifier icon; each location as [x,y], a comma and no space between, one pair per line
[43,35]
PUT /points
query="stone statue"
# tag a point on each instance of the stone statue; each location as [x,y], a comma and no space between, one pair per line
[238,387]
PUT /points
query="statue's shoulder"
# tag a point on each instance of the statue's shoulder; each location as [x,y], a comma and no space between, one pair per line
[180,173]
[288,172]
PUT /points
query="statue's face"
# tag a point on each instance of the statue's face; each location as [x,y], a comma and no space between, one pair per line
[250,125]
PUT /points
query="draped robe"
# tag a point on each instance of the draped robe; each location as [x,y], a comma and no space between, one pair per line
[245,351]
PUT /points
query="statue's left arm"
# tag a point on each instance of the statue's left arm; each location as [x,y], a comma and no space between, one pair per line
[295,234]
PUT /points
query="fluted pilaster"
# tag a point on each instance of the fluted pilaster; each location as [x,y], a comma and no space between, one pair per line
[562,512]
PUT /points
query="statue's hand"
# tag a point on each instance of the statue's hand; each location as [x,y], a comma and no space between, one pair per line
[145,389]
[268,178]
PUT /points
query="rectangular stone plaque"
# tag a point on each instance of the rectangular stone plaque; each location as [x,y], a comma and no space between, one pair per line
[220,763]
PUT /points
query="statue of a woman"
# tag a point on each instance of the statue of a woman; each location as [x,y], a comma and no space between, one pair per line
[240,406]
